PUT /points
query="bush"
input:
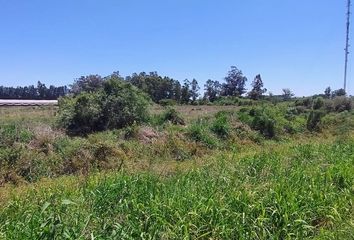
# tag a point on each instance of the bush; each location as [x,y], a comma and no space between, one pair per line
[265,125]
[258,120]
[167,102]
[173,116]
[116,105]
[314,120]
[199,133]
[221,126]
[318,103]
[341,104]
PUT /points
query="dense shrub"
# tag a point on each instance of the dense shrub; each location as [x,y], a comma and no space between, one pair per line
[265,125]
[171,115]
[167,102]
[314,120]
[221,126]
[116,105]
[199,133]
[341,104]
[306,102]
[318,103]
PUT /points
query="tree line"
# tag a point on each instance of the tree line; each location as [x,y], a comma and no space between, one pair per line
[39,92]
[161,88]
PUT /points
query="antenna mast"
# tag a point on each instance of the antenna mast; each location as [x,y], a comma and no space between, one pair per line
[347,47]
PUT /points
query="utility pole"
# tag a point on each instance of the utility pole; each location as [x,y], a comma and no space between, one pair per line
[347,47]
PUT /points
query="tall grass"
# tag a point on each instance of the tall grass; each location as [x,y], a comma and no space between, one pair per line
[295,192]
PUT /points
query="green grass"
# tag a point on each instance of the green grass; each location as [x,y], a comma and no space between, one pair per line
[216,177]
[293,192]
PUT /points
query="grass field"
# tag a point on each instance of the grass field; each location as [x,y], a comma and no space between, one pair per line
[176,182]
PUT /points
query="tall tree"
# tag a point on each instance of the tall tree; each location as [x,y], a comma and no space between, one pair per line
[194,92]
[212,90]
[90,83]
[287,94]
[327,92]
[185,93]
[257,88]
[339,92]
[235,83]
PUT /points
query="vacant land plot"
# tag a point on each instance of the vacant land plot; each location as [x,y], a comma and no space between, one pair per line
[215,177]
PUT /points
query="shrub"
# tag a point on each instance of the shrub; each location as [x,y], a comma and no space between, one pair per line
[341,104]
[318,103]
[199,133]
[265,125]
[314,120]
[117,105]
[167,102]
[221,126]
[173,116]
[260,121]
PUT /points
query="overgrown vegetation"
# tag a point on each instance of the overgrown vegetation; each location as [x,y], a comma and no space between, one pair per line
[118,169]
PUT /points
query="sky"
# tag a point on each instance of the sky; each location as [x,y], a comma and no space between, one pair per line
[296,44]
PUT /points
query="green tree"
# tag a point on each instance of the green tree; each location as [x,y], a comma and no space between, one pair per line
[194,91]
[117,104]
[212,90]
[327,92]
[287,94]
[186,93]
[257,88]
[235,83]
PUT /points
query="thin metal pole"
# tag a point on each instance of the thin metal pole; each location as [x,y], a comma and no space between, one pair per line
[347,47]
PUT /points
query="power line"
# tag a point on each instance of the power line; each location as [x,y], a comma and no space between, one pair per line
[347,47]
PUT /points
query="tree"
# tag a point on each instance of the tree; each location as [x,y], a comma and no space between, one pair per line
[287,94]
[235,83]
[117,104]
[338,93]
[185,92]
[327,92]
[212,90]
[257,88]
[194,91]
[90,83]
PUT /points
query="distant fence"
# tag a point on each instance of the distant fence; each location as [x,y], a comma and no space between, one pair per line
[15,102]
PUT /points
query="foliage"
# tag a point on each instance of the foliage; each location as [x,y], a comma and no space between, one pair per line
[314,120]
[90,83]
[338,93]
[287,94]
[199,132]
[235,83]
[257,88]
[194,92]
[117,105]
[167,102]
[342,103]
[300,191]
[327,92]
[172,116]
[212,90]
[318,103]
[156,86]
[221,125]
[41,92]
[263,123]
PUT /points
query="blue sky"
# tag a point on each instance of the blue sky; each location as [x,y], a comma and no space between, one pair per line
[296,44]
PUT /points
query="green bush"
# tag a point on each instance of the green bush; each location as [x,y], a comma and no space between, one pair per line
[314,120]
[341,104]
[318,103]
[199,133]
[221,126]
[167,102]
[116,105]
[171,115]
